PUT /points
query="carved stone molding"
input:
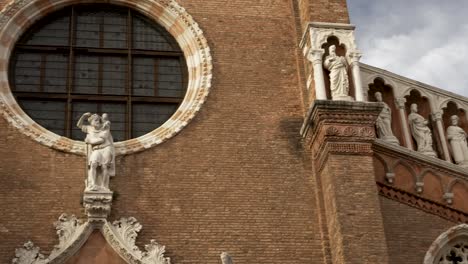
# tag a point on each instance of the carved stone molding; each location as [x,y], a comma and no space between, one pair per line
[337,127]
[422,203]
[71,232]
[122,234]
[450,244]
[19,15]
[97,205]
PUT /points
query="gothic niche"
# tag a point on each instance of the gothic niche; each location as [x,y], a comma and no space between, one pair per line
[455,124]
[387,122]
[420,125]
[337,71]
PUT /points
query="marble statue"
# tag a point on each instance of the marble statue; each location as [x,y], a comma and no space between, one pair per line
[100,151]
[457,139]
[421,132]
[225,258]
[384,122]
[338,67]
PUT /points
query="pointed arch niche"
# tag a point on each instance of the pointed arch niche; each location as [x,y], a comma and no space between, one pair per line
[449,247]
[424,109]
[379,85]
[341,50]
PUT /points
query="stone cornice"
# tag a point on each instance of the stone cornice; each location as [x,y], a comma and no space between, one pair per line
[410,82]
[424,160]
[323,25]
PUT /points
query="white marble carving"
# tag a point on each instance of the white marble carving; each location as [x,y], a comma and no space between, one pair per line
[384,122]
[97,205]
[339,82]
[72,234]
[29,254]
[122,234]
[155,254]
[457,139]
[226,258]
[100,151]
[421,132]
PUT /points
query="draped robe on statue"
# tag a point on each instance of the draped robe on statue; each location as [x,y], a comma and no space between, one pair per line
[421,133]
[457,138]
[339,83]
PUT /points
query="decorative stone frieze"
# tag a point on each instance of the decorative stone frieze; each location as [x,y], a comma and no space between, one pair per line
[414,170]
[340,127]
[417,201]
[18,15]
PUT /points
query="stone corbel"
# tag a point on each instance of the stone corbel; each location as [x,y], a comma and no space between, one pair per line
[390,177]
[448,197]
[419,187]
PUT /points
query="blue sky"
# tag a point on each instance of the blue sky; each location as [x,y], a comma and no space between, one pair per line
[425,40]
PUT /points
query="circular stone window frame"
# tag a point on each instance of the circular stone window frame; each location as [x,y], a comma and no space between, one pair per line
[19,15]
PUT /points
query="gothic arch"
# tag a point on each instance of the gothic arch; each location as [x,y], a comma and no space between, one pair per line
[371,78]
[407,166]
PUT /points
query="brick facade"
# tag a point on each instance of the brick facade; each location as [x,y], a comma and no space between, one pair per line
[239,177]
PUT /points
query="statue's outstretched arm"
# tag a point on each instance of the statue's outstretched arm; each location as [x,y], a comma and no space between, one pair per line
[82,119]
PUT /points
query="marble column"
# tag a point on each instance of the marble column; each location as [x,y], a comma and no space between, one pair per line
[437,117]
[355,57]
[400,104]
[316,57]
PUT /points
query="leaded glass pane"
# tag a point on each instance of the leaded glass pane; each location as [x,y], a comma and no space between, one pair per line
[55,80]
[147,117]
[150,36]
[86,74]
[47,113]
[53,33]
[170,78]
[144,76]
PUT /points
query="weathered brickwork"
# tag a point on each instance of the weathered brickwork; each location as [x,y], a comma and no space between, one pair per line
[235,179]
[409,231]
[239,177]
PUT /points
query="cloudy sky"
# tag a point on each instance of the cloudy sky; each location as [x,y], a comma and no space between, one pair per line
[425,40]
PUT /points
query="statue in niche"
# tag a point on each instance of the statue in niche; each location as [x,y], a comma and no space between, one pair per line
[100,151]
[226,258]
[338,67]
[384,122]
[421,132]
[457,139]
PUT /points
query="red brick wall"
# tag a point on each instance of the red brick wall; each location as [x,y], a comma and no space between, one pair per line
[235,179]
[409,231]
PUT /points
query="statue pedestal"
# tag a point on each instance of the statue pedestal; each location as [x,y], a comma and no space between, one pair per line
[97,205]
[342,98]
[392,140]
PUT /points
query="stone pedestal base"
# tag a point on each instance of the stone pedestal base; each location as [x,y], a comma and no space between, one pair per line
[429,153]
[342,98]
[97,204]
[391,140]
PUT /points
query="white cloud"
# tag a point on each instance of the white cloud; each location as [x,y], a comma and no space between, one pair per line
[425,40]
